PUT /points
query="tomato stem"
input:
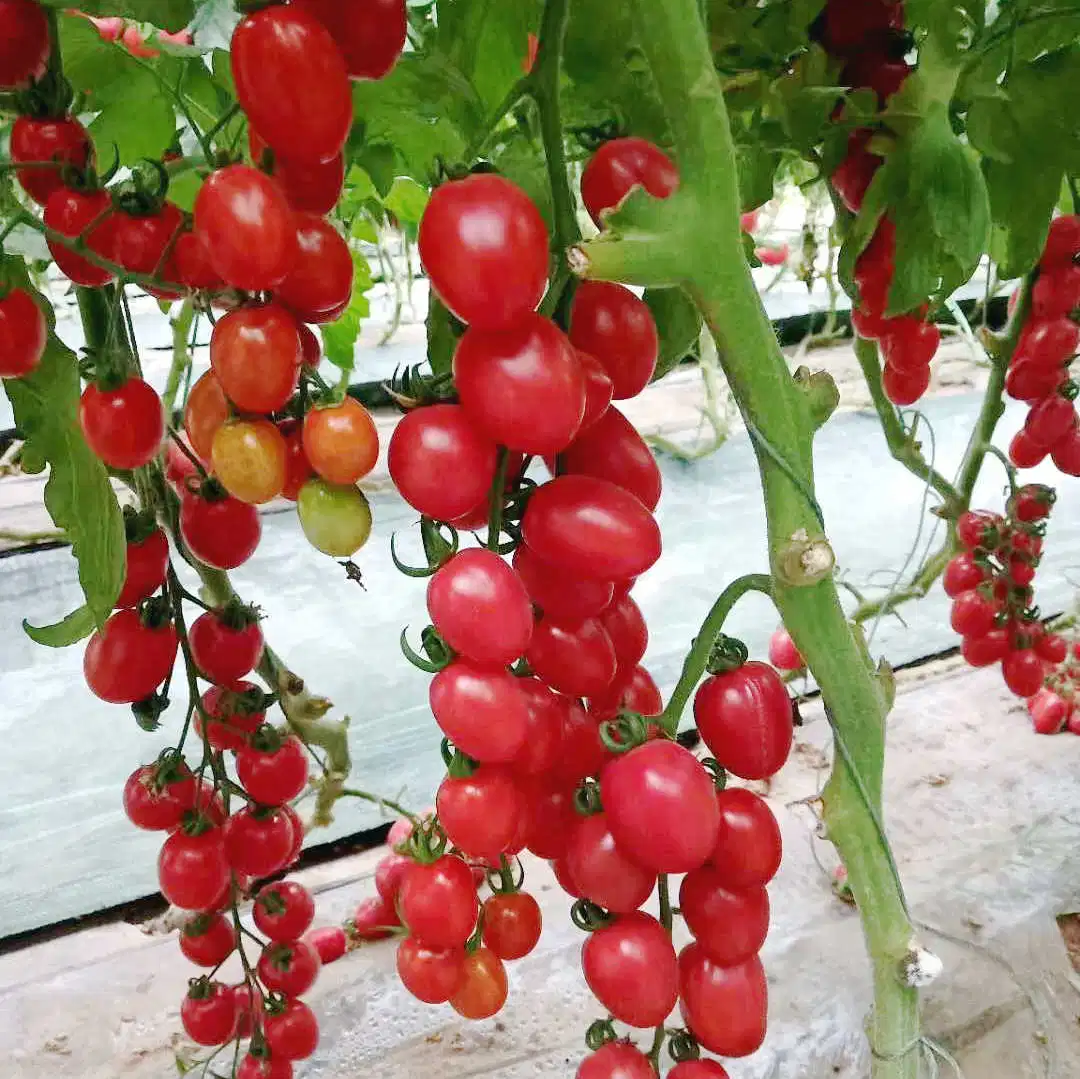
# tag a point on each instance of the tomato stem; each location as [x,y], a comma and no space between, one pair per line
[497,500]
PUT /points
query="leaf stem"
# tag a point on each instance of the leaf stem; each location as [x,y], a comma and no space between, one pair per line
[375,799]
[497,498]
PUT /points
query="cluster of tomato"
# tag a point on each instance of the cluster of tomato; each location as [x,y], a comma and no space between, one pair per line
[1039,366]
[990,583]
[1054,708]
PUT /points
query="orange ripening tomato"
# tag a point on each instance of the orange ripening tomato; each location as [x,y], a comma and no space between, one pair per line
[341,441]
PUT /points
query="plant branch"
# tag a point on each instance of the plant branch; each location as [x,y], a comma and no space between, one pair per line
[181,355]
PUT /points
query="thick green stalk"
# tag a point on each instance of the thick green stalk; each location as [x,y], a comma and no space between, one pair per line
[181,357]
[693,239]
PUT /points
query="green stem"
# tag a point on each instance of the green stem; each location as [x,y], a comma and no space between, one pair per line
[497,498]
[920,585]
[698,656]
[383,803]
[181,357]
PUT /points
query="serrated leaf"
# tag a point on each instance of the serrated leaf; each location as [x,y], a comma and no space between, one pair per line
[70,630]
[171,15]
[678,324]
[406,200]
[340,337]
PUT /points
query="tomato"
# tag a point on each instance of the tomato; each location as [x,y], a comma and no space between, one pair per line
[273,778]
[633,692]
[480,608]
[24,43]
[146,563]
[193,870]
[731,925]
[431,974]
[441,465]
[853,175]
[873,274]
[1023,672]
[603,871]
[1049,712]
[904,387]
[1032,503]
[122,426]
[63,140]
[369,33]
[962,573]
[625,626]
[220,531]
[1021,571]
[320,281]
[748,845]
[70,213]
[312,187]
[1050,420]
[1056,292]
[189,264]
[583,754]
[783,654]
[565,600]
[551,816]
[598,389]
[481,710]
[336,519]
[631,968]
[438,902]
[579,662]
[1046,343]
[986,649]
[1052,647]
[481,813]
[249,459]
[298,833]
[591,527]
[207,940]
[209,1013]
[978,528]
[330,943]
[374,919]
[512,924]
[522,387]
[298,468]
[255,353]
[283,911]
[610,323]
[138,242]
[246,227]
[613,450]
[543,743]
[225,647]
[1024,452]
[773,256]
[23,334]
[125,660]
[1062,242]
[909,344]
[258,841]
[744,717]
[1027,382]
[293,1032]
[874,68]
[205,410]
[974,614]
[661,805]
[1066,454]
[483,988]
[245,1024]
[261,1067]
[698,1069]
[485,249]
[290,968]
[156,798]
[389,874]
[236,713]
[848,24]
[618,166]
[724,1007]
[341,442]
[616,1060]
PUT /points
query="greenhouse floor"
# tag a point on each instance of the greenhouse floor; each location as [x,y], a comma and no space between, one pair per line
[985,818]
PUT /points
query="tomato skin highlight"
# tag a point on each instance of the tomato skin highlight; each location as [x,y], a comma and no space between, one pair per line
[291,81]
[61,139]
[618,166]
[125,426]
[341,442]
[23,334]
[481,710]
[370,33]
[724,1007]
[335,518]
[611,324]
[748,847]
[485,248]
[223,532]
[125,661]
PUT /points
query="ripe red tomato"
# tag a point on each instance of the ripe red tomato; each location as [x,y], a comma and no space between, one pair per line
[145,568]
[69,213]
[298,468]
[620,165]
[962,573]
[293,1032]
[61,139]
[330,943]
[1024,452]
[206,409]
[249,459]
[207,940]
[255,353]
[1050,420]
[634,692]
[611,449]
[481,813]
[591,528]
[873,67]
[579,662]
[625,625]
[986,649]
[603,871]
[369,33]
[389,874]
[125,660]
[698,1069]
[546,726]
[138,242]
[616,1060]
[522,387]
[209,1013]
[319,284]
[258,841]
[23,334]
[874,272]
[123,426]
[485,249]
[312,187]
[552,816]
[1066,454]
[193,871]
[909,344]
[974,614]
[246,227]
[480,607]
[374,919]
[1052,647]
[438,902]
[1056,292]
[341,441]
[854,174]
[748,845]
[848,26]
[583,753]
[431,974]
[744,717]
[979,528]
[24,43]
[904,388]
[220,531]
[598,389]
[661,806]
[1049,712]
[731,925]
[565,600]
[189,264]
[483,987]
[512,924]
[783,654]
[725,1008]
[236,713]
[262,1067]
[1023,672]
[283,911]
[1026,381]
[481,710]
[1046,343]
[156,799]
[291,82]
[273,778]
[610,323]
[289,967]
[1062,242]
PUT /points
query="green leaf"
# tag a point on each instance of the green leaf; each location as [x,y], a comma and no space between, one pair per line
[1022,201]
[363,229]
[441,337]
[146,132]
[340,337]
[70,630]
[184,188]
[678,324]
[406,200]
[171,15]
[759,35]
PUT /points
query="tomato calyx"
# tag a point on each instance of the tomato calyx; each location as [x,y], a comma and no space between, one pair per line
[588,917]
[138,526]
[437,548]
[727,654]
[201,988]
[237,615]
[414,388]
[198,925]
[149,710]
[267,739]
[458,764]
[683,1046]
[717,771]
[427,842]
[508,879]
[587,799]
[156,612]
[144,192]
[440,654]
[625,732]
[47,97]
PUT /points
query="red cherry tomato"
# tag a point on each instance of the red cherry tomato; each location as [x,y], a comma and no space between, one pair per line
[273,777]
[369,33]
[189,264]
[848,26]
[783,654]
[193,871]
[330,943]
[583,753]
[854,174]
[1023,672]
[125,660]
[483,987]
[207,940]
[138,242]
[730,925]
[698,1069]
[156,798]
[661,805]
[1049,712]
[283,911]
[485,249]
[962,573]
[146,564]
[223,651]
[63,140]
[904,388]
[598,389]
[220,531]
[255,354]
[208,1013]
[603,871]
[481,813]
[262,1067]
[512,924]
[620,165]
[551,817]
[298,468]
[289,967]
[591,527]
[246,227]
[24,43]
[123,426]
[579,662]
[258,841]
[1052,647]
[546,726]
[236,713]
[320,281]
[389,874]
[431,974]
[910,343]
[610,323]
[341,441]
[634,692]
[480,607]
[1024,452]
[522,387]
[987,649]
[724,1007]
[1046,343]
[616,1060]
[312,187]
[374,919]
[293,1032]
[438,902]
[1062,242]
[625,625]
[23,334]
[564,599]
[974,614]
[748,845]
[1056,292]
[481,710]
[441,465]
[744,717]
[70,213]
[291,82]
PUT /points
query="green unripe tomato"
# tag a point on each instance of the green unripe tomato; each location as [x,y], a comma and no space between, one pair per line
[336,520]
